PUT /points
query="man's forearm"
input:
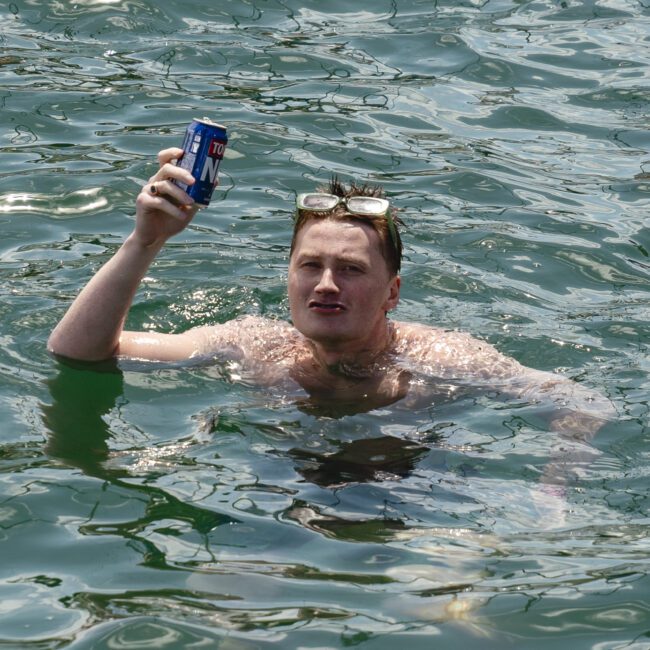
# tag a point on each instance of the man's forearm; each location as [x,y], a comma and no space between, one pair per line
[91,328]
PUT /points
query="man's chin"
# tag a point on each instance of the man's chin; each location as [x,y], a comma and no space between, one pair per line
[329,331]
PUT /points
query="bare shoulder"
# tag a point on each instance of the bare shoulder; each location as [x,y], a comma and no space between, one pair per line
[450,353]
[251,337]
[425,339]
[457,355]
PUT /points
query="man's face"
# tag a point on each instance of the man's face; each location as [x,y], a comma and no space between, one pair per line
[339,284]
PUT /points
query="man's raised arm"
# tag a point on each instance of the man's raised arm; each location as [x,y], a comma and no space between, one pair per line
[92,328]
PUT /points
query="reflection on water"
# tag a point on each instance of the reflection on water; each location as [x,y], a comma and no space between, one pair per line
[263,503]
[172,507]
[369,459]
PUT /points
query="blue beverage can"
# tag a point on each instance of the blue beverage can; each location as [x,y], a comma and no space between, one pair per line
[203,148]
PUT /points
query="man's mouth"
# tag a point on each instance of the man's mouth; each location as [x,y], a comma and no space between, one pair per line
[326,307]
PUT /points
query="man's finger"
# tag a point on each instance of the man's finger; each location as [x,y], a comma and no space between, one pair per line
[167,155]
[169,171]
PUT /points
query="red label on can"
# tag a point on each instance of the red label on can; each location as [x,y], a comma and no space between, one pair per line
[217,148]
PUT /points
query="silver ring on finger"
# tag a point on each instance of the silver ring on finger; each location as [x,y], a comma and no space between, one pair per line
[153,188]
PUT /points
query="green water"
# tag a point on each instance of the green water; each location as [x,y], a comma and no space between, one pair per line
[176,507]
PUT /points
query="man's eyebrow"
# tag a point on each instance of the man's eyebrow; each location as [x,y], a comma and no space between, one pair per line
[353,260]
[306,252]
[341,259]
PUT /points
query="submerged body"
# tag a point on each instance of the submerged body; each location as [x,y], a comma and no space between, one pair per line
[341,347]
[417,363]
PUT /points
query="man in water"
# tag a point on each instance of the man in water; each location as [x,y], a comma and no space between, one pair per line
[342,347]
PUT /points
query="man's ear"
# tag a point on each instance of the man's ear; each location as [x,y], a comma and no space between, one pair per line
[393,293]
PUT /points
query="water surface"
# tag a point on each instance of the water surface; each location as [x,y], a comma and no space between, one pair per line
[178,506]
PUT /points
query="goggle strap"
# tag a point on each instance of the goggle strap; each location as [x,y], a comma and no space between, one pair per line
[392,231]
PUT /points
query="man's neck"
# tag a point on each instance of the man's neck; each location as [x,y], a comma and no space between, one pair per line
[354,360]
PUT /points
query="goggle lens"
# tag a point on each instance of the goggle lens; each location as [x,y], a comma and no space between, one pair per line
[318,201]
[366,205]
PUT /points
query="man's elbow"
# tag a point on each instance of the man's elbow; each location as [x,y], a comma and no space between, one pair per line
[584,413]
[69,348]
[578,409]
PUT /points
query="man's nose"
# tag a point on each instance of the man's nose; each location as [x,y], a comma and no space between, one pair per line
[326,282]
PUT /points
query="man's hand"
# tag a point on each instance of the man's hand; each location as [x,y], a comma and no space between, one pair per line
[162,208]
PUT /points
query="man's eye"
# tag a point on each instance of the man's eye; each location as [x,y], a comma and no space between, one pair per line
[351,268]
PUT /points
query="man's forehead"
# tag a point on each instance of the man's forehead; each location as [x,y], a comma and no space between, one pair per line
[329,233]
[343,229]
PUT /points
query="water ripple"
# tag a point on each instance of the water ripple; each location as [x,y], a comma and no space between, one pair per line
[178,506]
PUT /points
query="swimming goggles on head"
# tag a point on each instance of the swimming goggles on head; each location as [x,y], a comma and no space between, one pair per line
[361,205]
[317,202]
